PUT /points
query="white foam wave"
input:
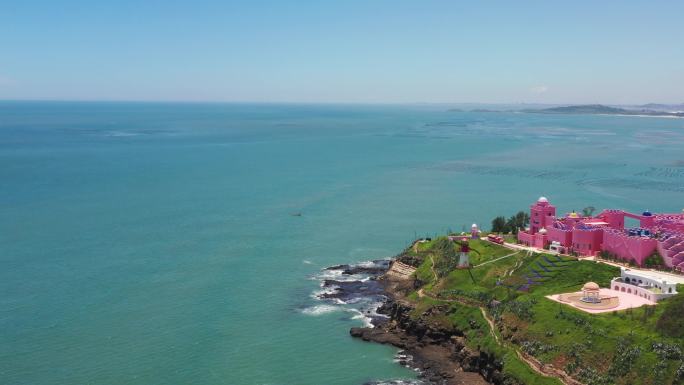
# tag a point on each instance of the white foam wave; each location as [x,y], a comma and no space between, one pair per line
[332,289]
[366,320]
[398,382]
[321,309]
[366,264]
[337,275]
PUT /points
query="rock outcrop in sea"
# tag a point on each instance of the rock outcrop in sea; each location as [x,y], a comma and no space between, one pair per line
[439,353]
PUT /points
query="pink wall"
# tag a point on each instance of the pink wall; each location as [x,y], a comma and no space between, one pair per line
[540,240]
[628,248]
[564,237]
[587,242]
[615,218]
[525,238]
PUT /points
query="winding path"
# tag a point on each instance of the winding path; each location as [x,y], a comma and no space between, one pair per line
[534,364]
[494,260]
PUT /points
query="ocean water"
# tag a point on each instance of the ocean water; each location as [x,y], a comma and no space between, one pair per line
[145,243]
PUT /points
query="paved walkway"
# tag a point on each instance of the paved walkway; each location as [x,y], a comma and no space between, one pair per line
[494,260]
[626,301]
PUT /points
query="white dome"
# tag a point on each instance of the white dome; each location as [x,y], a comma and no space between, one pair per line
[591,286]
[542,200]
[542,231]
[474,226]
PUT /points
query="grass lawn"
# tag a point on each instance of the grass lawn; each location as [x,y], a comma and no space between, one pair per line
[597,349]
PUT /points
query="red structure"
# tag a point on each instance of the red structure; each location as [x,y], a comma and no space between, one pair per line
[495,238]
[464,260]
[590,235]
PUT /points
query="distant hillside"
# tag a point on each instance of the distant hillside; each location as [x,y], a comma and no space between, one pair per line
[662,107]
[595,109]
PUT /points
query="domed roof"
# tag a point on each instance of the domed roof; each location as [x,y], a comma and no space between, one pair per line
[474,226]
[542,231]
[542,200]
[590,286]
[573,215]
[646,213]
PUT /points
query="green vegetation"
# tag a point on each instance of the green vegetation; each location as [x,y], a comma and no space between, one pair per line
[654,261]
[637,346]
[671,321]
[518,221]
[588,211]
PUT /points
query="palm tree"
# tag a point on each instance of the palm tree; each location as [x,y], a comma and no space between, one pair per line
[588,211]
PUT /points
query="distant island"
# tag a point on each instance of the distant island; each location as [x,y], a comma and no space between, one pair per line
[651,109]
[599,109]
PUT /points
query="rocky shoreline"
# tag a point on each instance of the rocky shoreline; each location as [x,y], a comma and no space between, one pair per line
[439,353]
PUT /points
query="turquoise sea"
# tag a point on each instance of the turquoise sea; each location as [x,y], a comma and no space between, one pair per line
[145,243]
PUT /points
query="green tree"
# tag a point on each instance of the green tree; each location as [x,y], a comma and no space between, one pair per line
[654,260]
[588,211]
[511,225]
[499,225]
[518,221]
[522,219]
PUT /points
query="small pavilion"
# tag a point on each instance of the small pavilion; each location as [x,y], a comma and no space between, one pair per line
[591,293]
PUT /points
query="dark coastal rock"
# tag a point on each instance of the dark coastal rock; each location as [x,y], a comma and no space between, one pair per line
[378,267]
[349,290]
[439,352]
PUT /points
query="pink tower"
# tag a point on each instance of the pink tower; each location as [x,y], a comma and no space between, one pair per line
[614,218]
[542,214]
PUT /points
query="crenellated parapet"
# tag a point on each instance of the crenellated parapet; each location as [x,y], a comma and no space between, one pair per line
[661,233]
[614,218]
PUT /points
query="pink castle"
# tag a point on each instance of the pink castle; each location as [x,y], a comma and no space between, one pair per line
[588,236]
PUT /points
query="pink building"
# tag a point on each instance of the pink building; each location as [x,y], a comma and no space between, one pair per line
[606,232]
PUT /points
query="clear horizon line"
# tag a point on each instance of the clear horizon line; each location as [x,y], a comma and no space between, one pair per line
[302,102]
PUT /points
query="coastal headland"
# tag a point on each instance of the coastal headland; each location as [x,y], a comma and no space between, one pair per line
[492,323]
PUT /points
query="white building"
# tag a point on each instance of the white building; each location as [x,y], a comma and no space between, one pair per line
[651,286]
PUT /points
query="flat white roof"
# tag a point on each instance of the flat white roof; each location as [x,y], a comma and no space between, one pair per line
[656,275]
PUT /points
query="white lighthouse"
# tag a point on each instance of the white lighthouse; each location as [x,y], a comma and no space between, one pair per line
[474,231]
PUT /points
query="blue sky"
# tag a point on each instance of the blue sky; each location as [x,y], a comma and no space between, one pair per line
[343,51]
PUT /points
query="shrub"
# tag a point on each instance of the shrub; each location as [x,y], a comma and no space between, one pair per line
[654,260]
[522,309]
[671,322]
